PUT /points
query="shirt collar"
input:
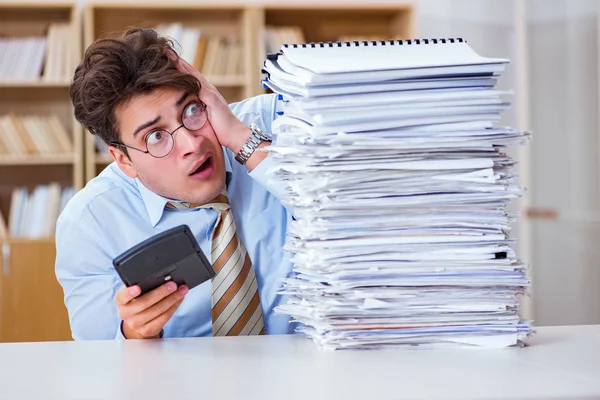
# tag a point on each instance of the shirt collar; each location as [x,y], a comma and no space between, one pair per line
[155,203]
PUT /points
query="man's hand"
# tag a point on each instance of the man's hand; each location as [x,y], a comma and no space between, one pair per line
[231,132]
[144,316]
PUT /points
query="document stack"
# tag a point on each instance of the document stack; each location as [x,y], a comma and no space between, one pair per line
[392,160]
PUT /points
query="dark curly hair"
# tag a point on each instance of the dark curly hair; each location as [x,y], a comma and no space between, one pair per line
[116,69]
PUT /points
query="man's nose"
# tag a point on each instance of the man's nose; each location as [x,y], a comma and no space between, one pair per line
[188,142]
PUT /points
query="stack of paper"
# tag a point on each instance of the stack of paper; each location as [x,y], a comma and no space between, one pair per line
[398,180]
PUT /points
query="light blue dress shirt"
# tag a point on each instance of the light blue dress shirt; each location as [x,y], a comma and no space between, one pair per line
[114,212]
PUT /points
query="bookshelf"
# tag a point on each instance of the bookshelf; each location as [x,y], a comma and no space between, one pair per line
[33,92]
[34,84]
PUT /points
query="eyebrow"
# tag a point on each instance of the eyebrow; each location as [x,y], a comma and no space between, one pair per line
[146,125]
[182,99]
[155,120]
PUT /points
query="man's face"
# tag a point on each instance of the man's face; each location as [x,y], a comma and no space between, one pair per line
[194,170]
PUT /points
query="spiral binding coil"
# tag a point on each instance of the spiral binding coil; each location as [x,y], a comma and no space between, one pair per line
[357,43]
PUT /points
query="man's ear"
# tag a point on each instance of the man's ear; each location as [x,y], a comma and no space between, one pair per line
[123,161]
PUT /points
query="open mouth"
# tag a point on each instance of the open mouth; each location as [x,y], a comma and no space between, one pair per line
[204,170]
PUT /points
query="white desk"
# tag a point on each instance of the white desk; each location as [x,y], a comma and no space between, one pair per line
[562,362]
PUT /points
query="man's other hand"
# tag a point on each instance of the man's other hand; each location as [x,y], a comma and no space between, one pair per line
[231,132]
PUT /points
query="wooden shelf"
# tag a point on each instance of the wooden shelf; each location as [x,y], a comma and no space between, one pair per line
[32,306]
[25,240]
[227,81]
[213,19]
[18,84]
[326,22]
[166,6]
[37,4]
[55,159]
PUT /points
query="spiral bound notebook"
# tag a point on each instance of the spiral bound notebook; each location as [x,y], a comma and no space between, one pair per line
[300,66]
[384,55]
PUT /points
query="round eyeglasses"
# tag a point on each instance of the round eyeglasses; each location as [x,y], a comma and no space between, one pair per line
[160,142]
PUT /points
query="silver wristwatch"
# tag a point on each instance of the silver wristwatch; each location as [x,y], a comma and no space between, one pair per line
[256,137]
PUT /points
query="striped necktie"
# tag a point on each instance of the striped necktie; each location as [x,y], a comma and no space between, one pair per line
[236,307]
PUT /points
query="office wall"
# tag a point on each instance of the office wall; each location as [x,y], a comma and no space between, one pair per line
[563,86]
[487,25]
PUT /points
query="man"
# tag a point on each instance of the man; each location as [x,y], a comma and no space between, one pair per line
[182,156]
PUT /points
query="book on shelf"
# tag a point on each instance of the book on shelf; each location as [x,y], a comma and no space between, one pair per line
[38,57]
[277,36]
[33,134]
[58,59]
[21,58]
[200,53]
[213,55]
[33,214]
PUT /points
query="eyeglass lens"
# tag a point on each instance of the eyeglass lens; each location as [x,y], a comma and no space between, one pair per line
[194,116]
[160,143]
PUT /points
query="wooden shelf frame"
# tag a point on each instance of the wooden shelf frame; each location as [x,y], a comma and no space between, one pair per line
[325,21]
[37,84]
[31,300]
[54,159]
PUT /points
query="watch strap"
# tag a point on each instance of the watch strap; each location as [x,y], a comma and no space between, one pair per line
[254,140]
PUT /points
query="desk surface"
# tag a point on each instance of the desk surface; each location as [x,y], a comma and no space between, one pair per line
[561,362]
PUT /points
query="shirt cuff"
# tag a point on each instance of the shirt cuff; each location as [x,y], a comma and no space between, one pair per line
[259,174]
[121,335]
